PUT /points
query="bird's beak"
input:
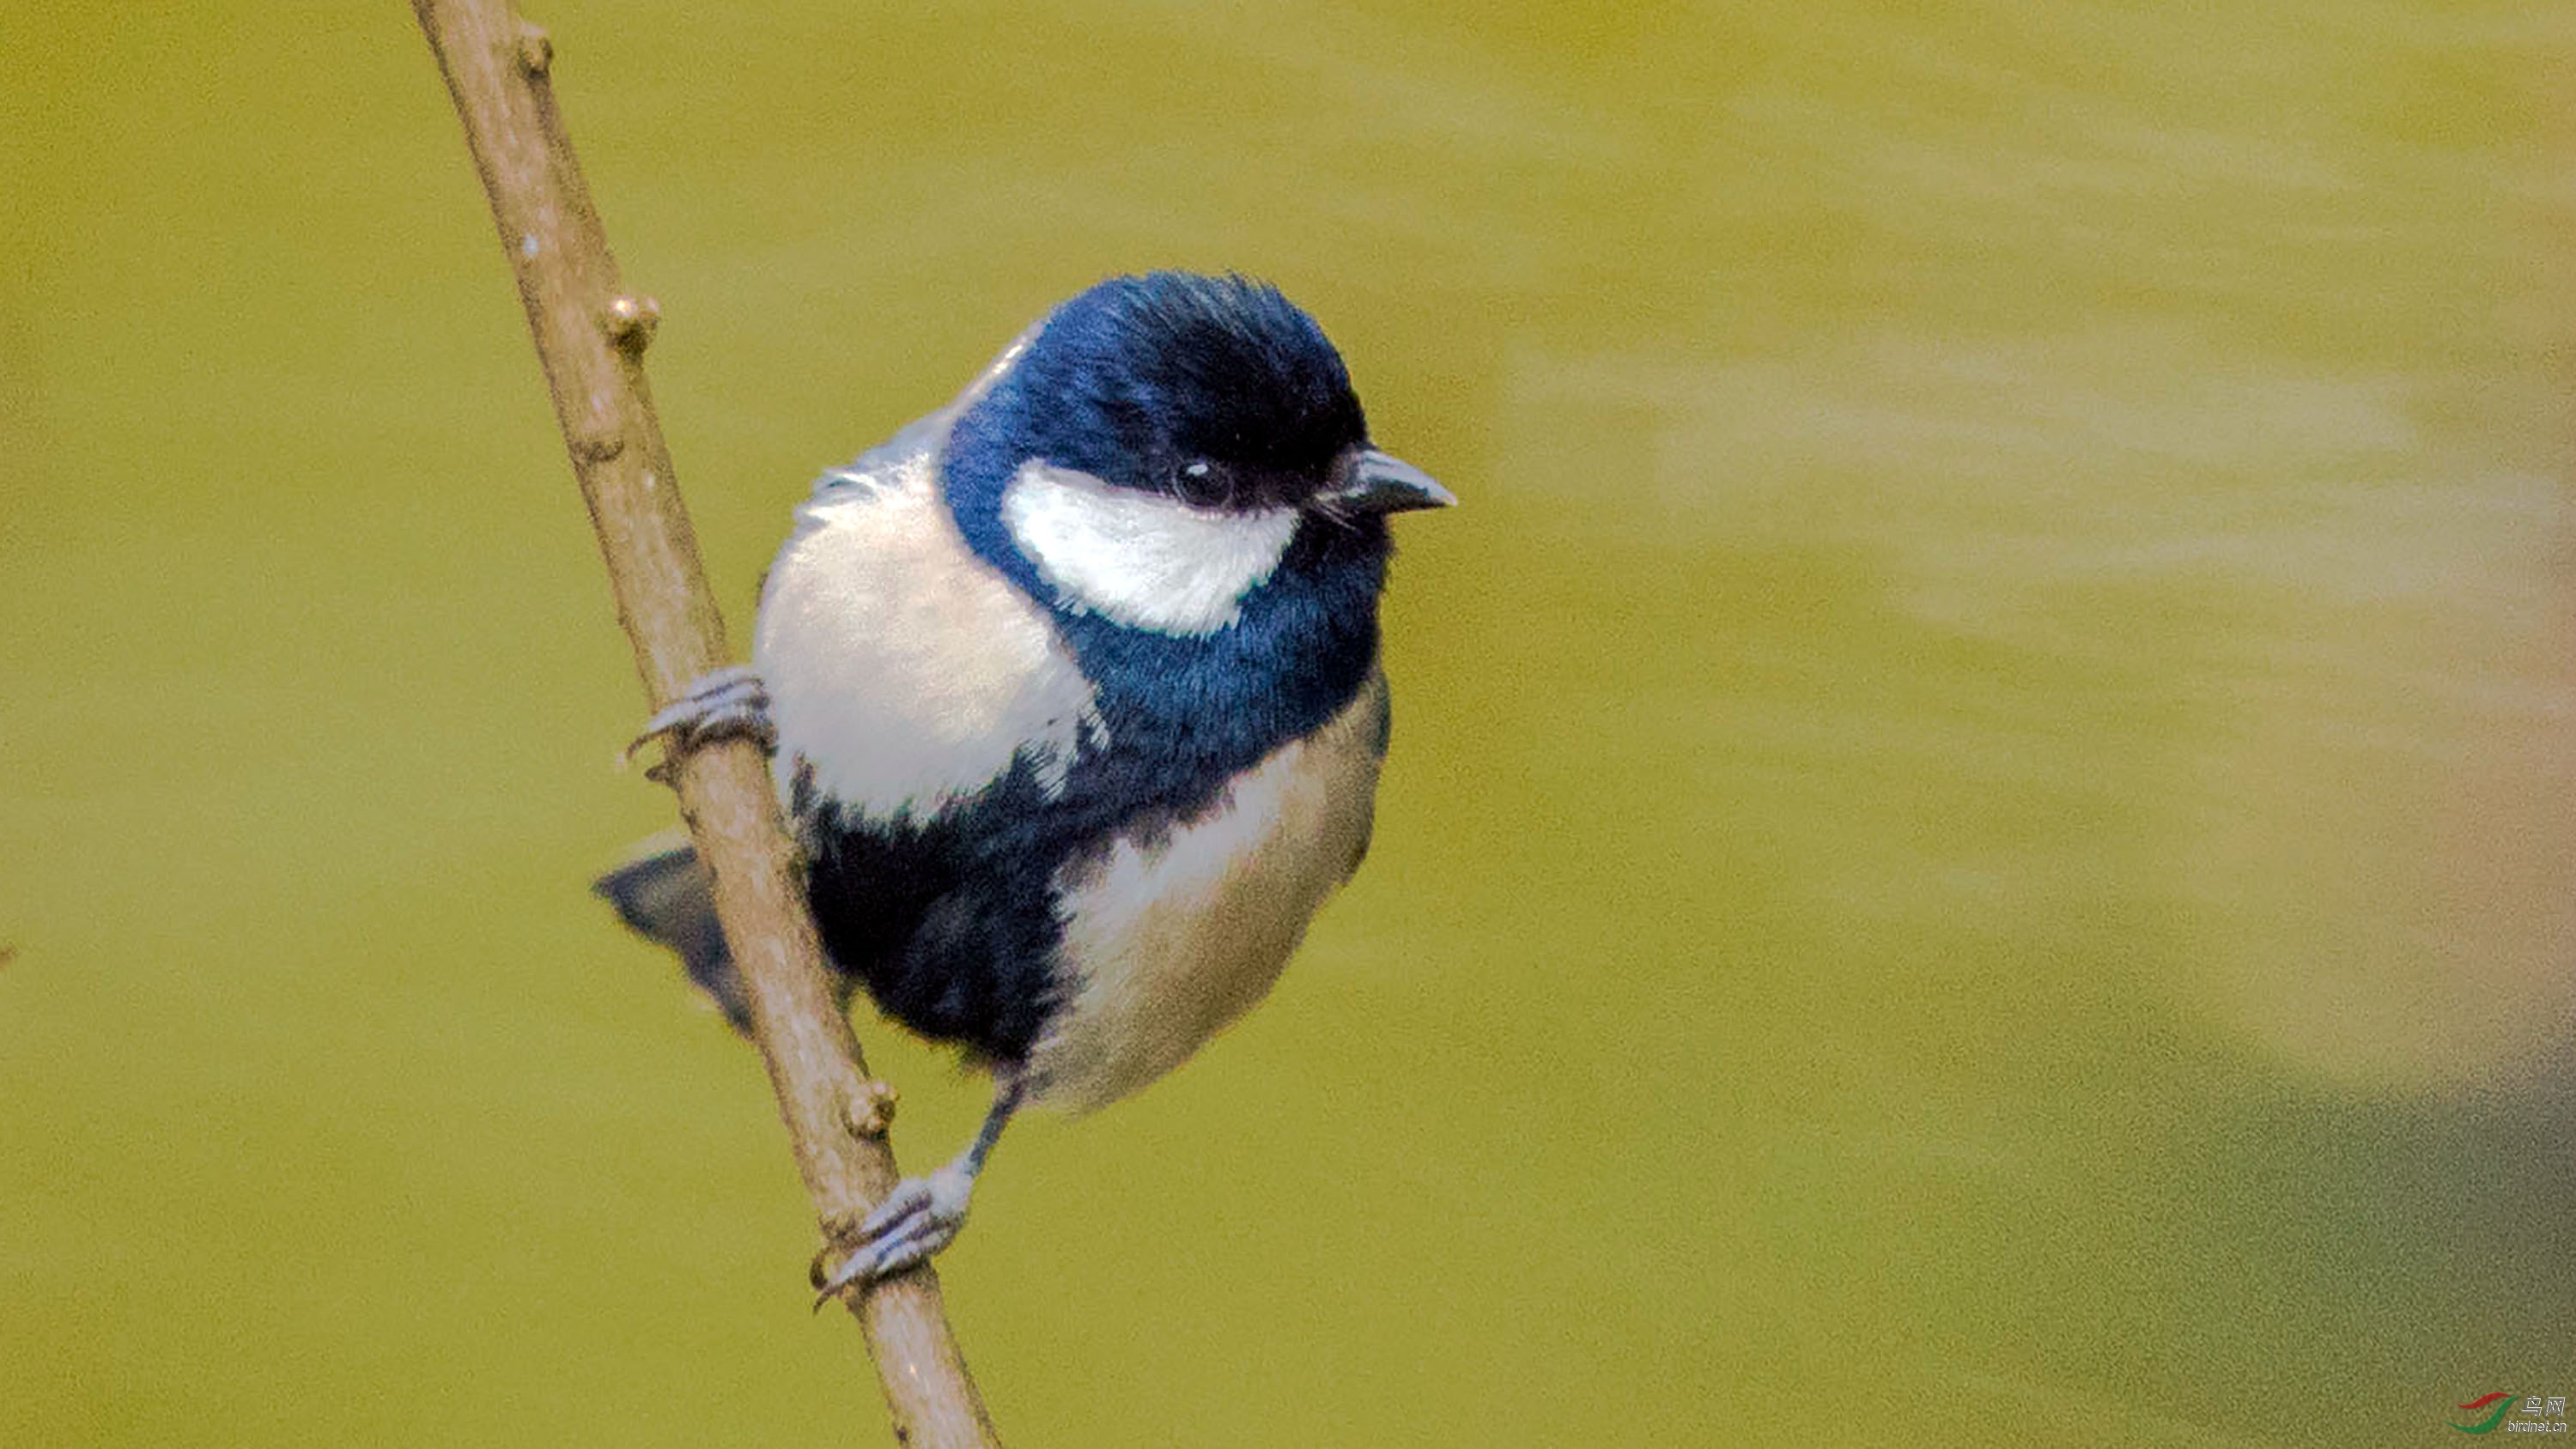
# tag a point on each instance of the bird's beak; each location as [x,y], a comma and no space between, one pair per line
[1375,482]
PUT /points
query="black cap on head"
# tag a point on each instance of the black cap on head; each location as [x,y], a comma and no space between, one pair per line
[1217,390]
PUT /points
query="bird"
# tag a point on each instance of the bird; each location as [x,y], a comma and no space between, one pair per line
[1075,705]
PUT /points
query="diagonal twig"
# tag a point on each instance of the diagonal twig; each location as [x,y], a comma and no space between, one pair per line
[590,335]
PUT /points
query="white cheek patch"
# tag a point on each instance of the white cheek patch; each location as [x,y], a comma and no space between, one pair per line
[1140,559]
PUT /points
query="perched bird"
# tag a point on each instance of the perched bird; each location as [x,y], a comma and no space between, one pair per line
[1074,696]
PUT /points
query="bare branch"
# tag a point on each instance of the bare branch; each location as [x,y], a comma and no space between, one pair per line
[591,334]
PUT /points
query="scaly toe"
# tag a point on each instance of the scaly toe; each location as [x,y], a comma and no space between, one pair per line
[728,701]
[918,1219]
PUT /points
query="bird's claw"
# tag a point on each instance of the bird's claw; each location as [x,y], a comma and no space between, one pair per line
[918,1219]
[721,703]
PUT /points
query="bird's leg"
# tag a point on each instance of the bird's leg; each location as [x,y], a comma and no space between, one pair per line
[922,1215]
[728,701]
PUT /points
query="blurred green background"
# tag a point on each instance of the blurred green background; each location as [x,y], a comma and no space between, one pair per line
[1981,845]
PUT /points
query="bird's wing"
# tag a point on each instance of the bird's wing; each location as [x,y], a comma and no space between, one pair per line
[904,672]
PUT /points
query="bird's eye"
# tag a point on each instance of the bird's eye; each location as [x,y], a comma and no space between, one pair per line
[1204,483]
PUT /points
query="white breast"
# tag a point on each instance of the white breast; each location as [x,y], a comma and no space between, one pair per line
[1174,932]
[903,671]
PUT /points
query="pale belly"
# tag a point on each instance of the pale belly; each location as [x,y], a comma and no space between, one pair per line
[1170,934]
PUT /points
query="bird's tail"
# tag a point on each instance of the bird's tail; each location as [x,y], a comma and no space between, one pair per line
[667,896]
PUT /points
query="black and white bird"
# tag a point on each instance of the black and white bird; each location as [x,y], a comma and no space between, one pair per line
[1076,703]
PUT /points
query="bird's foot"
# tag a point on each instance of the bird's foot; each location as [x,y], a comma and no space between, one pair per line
[919,1218]
[721,703]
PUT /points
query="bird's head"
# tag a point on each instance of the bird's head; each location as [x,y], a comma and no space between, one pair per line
[1160,444]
